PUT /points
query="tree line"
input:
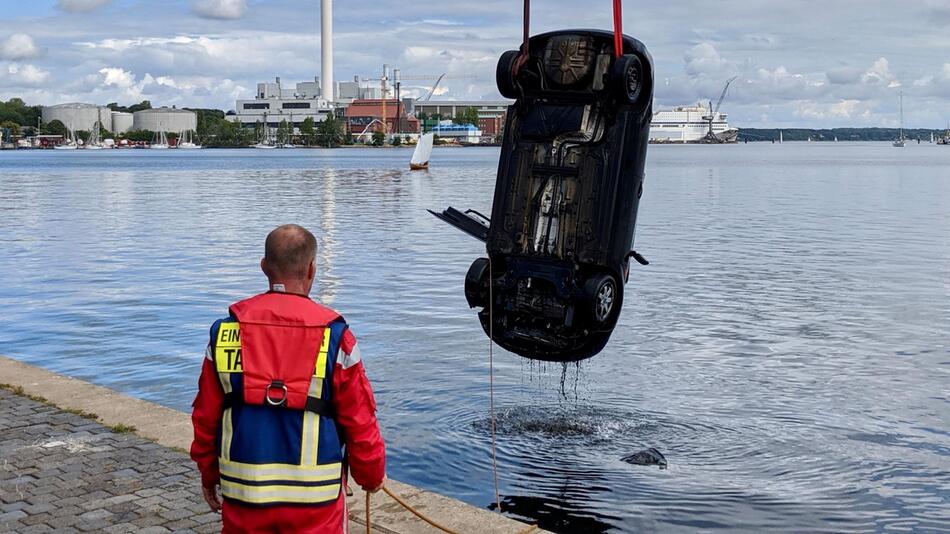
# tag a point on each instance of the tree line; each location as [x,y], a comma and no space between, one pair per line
[841,134]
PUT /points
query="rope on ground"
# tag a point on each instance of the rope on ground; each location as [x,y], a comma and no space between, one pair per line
[420,515]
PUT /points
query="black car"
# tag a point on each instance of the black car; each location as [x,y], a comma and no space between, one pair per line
[570,178]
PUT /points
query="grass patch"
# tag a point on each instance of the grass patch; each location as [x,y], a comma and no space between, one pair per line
[18,390]
[122,429]
[81,413]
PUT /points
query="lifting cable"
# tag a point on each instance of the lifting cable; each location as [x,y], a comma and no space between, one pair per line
[618,28]
[519,62]
[491,409]
[523,57]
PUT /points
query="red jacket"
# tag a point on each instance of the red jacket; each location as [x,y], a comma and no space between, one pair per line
[355,413]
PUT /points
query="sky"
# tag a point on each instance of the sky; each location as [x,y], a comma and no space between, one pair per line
[800,63]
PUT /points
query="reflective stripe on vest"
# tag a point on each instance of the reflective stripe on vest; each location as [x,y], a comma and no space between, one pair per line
[308,482]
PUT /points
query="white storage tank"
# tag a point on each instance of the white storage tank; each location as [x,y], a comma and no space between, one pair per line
[121,122]
[77,116]
[165,119]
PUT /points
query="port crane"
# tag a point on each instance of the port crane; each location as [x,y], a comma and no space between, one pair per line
[710,136]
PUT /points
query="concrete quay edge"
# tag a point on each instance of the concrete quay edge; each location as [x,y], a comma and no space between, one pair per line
[173,429]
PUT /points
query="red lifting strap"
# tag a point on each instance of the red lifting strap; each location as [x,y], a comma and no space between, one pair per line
[618,28]
[618,33]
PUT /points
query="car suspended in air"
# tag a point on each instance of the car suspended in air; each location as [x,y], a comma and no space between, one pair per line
[560,236]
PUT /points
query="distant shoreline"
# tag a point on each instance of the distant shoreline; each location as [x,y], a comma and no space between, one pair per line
[840,134]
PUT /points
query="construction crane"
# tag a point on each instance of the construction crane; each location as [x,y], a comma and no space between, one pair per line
[710,136]
[397,79]
[432,91]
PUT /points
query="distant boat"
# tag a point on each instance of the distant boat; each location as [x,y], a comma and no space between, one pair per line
[899,142]
[420,158]
[265,141]
[95,141]
[161,141]
[186,142]
[945,140]
[70,143]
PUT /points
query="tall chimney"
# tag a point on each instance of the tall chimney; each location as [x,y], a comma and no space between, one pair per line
[326,49]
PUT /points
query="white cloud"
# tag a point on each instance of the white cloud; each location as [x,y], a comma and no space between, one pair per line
[117,77]
[845,109]
[25,75]
[81,6]
[115,84]
[879,74]
[19,46]
[704,58]
[220,9]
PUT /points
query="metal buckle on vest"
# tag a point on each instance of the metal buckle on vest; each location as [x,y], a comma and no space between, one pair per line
[278,385]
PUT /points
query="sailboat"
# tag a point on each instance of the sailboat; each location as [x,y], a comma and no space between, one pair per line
[70,143]
[287,142]
[161,140]
[186,141]
[945,140]
[900,140]
[265,141]
[420,158]
[95,138]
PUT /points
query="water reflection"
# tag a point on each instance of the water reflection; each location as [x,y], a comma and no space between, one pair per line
[328,281]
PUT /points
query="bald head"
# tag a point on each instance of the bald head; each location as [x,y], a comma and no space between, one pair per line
[289,253]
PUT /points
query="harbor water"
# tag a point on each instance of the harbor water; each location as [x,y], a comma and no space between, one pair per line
[787,349]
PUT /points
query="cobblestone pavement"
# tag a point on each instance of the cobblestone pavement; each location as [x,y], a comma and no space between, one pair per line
[60,472]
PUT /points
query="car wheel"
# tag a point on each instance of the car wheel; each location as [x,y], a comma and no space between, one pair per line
[603,295]
[476,284]
[504,75]
[627,78]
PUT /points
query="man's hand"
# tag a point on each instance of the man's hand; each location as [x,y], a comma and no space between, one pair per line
[212,498]
[368,489]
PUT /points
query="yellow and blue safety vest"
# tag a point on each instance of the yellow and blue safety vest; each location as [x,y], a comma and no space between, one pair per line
[271,453]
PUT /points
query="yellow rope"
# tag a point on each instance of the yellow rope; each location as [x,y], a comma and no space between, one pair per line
[420,515]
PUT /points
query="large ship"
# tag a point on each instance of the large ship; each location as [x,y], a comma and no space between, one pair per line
[691,124]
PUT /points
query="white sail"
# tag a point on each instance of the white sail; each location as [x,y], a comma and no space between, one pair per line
[423,150]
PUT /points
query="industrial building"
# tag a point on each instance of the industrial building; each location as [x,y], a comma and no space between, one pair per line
[367,115]
[448,108]
[273,103]
[165,120]
[462,133]
[121,122]
[76,116]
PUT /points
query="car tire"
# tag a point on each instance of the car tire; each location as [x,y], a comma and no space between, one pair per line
[476,284]
[602,293]
[505,76]
[627,78]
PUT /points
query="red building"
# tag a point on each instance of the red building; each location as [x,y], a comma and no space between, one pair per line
[492,126]
[362,113]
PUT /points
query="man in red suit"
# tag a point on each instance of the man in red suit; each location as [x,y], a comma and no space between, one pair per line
[284,405]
